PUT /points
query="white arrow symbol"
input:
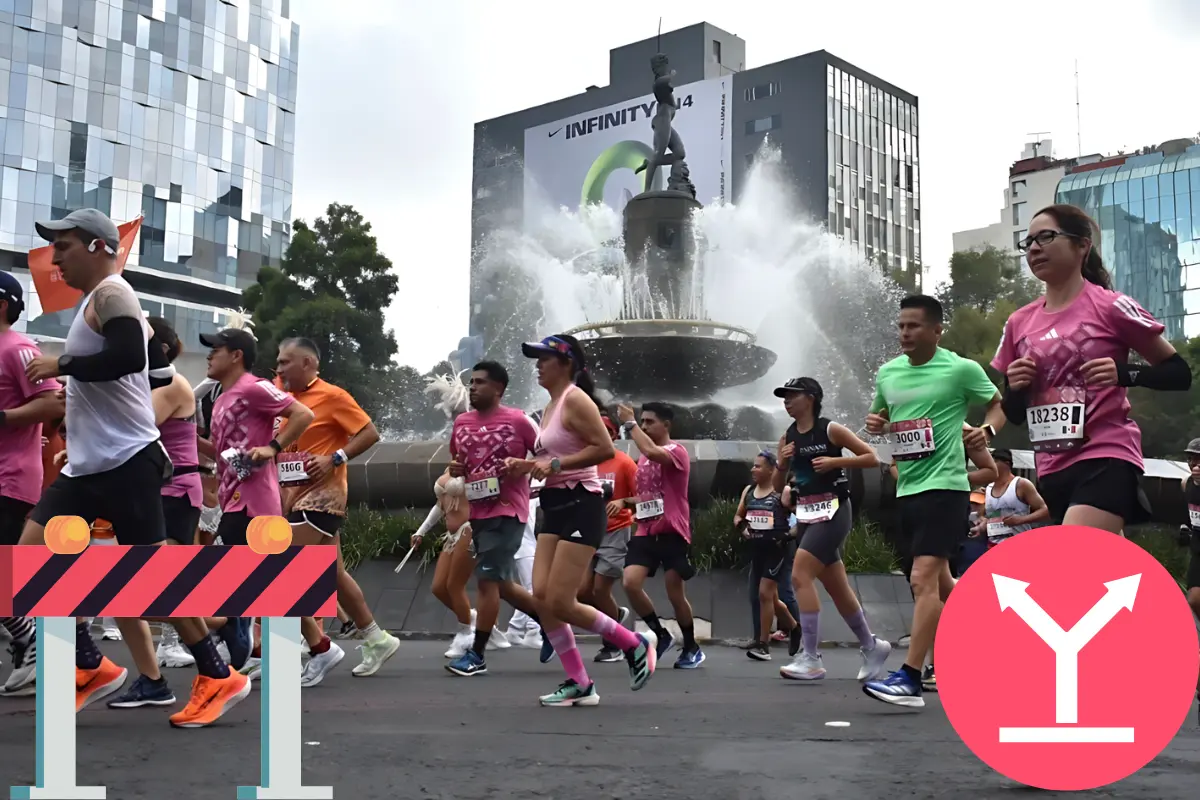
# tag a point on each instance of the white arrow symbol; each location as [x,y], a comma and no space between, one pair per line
[1066,644]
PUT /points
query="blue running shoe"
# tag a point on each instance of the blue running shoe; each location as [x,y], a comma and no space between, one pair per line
[144,692]
[690,659]
[665,642]
[898,689]
[547,652]
[236,635]
[468,664]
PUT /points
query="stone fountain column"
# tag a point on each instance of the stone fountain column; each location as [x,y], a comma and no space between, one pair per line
[661,244]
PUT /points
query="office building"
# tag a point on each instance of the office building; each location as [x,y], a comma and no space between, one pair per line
[180,110]
[1148,210]
[848,139]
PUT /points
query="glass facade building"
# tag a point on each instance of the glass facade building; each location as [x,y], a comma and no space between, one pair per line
[873,170]
[182,111]
[1148,210]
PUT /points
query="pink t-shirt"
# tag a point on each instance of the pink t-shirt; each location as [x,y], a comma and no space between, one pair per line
[1099,323]
[668,483]
[243,418]
[481,442]
[21,463]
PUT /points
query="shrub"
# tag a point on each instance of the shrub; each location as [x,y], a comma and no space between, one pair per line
[1161,541]
[866,549]
[372,534]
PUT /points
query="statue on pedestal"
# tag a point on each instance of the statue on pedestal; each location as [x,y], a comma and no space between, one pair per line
[665,137]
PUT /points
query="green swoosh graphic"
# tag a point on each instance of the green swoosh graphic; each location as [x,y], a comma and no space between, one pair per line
[629,155]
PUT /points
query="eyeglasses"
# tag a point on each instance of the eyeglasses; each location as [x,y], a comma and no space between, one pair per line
[1043,238]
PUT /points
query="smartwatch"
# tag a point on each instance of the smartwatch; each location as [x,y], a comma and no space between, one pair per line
[64,364]
[555,466]
[990,431]
[276,446]
[629,426]
[340,458]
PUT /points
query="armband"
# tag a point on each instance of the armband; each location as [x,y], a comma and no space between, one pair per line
[1172,375]
[1014,402]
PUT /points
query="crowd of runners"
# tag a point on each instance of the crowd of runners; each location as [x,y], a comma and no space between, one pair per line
[542,509]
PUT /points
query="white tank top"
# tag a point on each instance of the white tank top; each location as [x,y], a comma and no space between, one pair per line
[1007,504]
[108,422]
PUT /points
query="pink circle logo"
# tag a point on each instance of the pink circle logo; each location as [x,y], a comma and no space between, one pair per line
[1038,650]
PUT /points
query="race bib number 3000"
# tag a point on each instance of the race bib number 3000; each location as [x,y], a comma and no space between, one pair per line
[483,489]
[1055,426]
[912,439]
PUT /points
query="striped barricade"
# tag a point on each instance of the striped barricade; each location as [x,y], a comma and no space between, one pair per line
[268,579]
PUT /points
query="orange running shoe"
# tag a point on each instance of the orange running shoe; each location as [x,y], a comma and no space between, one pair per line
[211,698]
[96,684]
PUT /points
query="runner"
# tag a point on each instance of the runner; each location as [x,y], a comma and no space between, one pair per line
[664,528]
[763,518]
[1191,495]
[1013,504]
[618,478]
[480,442]
[452,571]
[522,630]
[571,443]
[921,400]
[116,463]
[811,460]
[207,392]
[1065,361]
[24,409]
[312,473]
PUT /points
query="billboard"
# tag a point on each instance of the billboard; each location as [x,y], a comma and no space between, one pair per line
[591,157]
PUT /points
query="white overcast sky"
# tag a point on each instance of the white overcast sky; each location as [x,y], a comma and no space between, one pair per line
[390,91]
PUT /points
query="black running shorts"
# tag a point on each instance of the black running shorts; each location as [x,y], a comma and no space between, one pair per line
[321,521]
[773,557]
[667,550]
[934,521]
[574,515]
[128,496]
[12,520]
[1109,484]
[183,519]
[232,528]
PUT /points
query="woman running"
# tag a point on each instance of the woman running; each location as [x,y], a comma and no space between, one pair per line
[811,451]
[762,517]
[572,441]
[455,561]
[1065,358]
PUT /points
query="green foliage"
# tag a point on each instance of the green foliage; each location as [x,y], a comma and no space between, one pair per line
[715,543]
[370,534]
[1161,541]
[867,550]
[1169,420]
[980,279]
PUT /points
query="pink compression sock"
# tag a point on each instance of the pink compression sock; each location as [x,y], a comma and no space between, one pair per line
[612,631]
[563,640]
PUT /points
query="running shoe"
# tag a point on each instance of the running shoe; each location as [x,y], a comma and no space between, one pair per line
[461,643]
[468,664]
[622,614]
[320,665]
[690,659]
[569,694]
[236,635]
[804,668]
[498,642]
[608,655]
[211,699]
[795,639]
[111,632]
[642,660]
[665,642]
[96,684]
[532,640]
[898,689]
[22,681]
[547,649]
[375,654]
[348,631]
[929,679]
[874,660]
[171,653]
[759,652]
[253,668]
[144,692]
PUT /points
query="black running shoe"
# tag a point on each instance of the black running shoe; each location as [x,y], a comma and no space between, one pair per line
[929,679]
[794,637]
[759,652]
[609,655]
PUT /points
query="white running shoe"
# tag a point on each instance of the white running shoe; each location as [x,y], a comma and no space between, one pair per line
[532,640]
[374,654]
[171,652]
[111,632]
[873,661]
[498,641]
[320,665]
[804,668]
[22,682]
[462,642]
[514,637]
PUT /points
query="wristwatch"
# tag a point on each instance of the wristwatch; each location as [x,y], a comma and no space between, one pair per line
[989,430]
[339,458]
[64,364]
[276,446]
[555,466]
[629,426]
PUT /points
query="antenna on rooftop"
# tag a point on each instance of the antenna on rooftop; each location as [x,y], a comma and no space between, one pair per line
[658,43]
[1078,127]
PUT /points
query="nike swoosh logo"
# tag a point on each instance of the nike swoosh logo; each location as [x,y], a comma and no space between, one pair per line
[555,133]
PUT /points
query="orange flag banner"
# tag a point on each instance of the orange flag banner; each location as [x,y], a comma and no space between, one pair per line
[53,292]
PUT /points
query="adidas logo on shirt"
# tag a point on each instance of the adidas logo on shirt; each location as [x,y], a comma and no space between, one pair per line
[1053,334]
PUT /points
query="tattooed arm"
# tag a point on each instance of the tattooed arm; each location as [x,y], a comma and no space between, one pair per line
[115,313]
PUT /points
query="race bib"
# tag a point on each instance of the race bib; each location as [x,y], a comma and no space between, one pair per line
[816,508]
[1055,427]
[996,529]
[649,509]
[1194,516]
[291,470]
[760,520]
[483,489]
[912,439]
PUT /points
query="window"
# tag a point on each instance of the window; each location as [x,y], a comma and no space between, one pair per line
[1018,211]
[1018,187]
[765,90]
[716,51]
[763,124]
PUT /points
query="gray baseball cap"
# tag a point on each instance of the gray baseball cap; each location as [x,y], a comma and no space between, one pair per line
[89,220]
[1193,447]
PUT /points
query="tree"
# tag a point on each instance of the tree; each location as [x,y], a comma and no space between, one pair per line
[333,287]
[981,278]
[1169,420]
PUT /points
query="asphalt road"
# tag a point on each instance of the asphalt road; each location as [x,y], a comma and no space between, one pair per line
[732,729]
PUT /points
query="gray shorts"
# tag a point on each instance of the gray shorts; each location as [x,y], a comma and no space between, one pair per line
[495,542]
[609,560]
[825,539]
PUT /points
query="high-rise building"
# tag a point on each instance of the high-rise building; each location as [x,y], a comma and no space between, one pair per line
[179,110]
[1148,209]
[848,139]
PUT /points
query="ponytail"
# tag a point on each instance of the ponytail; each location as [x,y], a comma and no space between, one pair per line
[582,378]
[1094,271]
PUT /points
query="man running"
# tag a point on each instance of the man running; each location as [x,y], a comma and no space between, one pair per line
[481,440]
[116,464]
[1012,504]
[921,400]
[1191,496]
[664,528]
[312,473]
[24,408]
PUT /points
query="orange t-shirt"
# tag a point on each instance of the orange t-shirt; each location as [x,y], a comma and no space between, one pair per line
[336,419]
[621,471]
[54,446]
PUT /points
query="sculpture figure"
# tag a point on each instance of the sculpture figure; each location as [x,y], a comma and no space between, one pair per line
[665,137]
[453,397]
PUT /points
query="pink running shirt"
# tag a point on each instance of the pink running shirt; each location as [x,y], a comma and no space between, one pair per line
[668,482]
[1099,323]
[481,442]
[21,462]
[244,418]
